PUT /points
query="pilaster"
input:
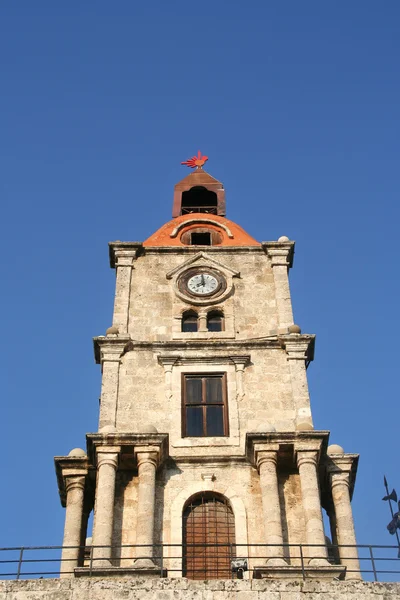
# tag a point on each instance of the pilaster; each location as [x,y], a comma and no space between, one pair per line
[123,257]
[299,349]
[281,255]
[108,352]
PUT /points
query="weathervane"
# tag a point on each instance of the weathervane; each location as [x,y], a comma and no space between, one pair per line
[196,161]
[394,524]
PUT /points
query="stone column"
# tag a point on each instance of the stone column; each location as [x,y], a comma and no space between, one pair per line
[345,525]
[107,463]
[147,465]
[202,320]
[281,259]
[266,463]
[296,347]
[307,463]
[124,260]
[75,488]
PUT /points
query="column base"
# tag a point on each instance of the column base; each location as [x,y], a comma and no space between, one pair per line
[296,572]
[120,572]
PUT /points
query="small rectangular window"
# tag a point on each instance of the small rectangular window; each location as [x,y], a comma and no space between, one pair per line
[201,239]
[204,405]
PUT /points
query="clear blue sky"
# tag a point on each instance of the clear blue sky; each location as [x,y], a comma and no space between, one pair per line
[297,106]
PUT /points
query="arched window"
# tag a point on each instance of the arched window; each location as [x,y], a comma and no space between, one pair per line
[199,200]
[208,537]
[215,321]
[189,321]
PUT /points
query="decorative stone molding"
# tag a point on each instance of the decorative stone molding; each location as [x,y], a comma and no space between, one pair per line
[190,222]
[175,365]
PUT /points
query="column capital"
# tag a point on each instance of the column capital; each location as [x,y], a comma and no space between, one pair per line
[307,457]
[240,361]
[342,468]
[144,457]
[107,455]
[298,346]
[148,454]
[123,254]
[168,362]
[280,253]
[68,469]
[266,456]
[75,482]
[110,348]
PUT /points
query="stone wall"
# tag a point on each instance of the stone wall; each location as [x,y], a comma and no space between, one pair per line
[182,589]
[153,303]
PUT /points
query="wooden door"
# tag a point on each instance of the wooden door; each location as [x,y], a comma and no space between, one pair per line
[208,538]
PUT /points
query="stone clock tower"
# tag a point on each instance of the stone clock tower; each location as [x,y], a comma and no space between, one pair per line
[206,450]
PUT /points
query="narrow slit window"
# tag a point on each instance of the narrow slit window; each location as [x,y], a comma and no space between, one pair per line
[204,405]
[189,321]
[215,321]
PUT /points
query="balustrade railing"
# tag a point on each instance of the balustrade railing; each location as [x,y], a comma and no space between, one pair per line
[196,561]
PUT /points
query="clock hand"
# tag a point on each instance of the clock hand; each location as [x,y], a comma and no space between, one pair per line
[202,280]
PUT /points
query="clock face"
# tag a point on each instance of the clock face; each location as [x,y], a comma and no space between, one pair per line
[202,284]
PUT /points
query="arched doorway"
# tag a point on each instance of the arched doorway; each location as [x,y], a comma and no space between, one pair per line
[208,537]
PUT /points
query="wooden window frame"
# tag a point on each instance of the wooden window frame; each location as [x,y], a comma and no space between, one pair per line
[204,404]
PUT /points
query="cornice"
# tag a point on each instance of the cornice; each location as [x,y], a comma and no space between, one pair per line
[284,249]
[113,247]
[114,344]
[130,440]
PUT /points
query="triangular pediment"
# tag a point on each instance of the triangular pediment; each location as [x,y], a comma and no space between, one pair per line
[202,259]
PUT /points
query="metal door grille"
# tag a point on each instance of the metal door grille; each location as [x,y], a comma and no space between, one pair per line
[208,538]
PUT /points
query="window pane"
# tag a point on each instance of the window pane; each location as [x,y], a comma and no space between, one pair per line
[214,389]
[215,420]
[214,322]
[193,391]
[189,324]
[194,421]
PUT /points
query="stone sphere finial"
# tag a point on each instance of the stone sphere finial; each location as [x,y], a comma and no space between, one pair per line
[283,238]
[112,331]
[147,428]
[294,329]
[77,452]
[335,449]
[304,426]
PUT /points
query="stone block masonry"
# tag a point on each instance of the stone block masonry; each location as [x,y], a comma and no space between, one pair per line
[138,588]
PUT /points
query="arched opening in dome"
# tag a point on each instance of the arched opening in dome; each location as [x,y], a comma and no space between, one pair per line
[199,200]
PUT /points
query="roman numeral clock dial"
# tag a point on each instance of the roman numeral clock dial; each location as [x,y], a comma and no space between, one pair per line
[202,284]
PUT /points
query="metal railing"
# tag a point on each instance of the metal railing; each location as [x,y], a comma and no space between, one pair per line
[196,561]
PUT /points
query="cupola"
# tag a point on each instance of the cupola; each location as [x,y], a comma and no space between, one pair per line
[199,192]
